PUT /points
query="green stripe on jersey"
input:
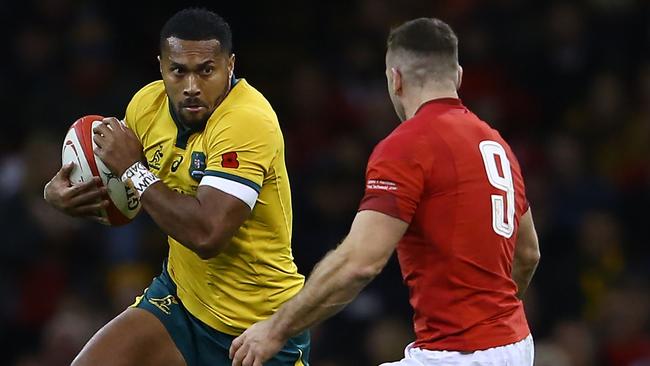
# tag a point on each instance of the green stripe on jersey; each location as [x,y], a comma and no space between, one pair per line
[235,178]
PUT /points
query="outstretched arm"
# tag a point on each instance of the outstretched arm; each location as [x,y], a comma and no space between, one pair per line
[334,283]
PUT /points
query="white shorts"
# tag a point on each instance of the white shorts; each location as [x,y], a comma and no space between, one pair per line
[520,353]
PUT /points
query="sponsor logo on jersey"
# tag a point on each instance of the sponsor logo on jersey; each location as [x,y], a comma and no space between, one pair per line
[176,163]
[381,185]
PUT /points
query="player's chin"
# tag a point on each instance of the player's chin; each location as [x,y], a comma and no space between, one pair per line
[194,118]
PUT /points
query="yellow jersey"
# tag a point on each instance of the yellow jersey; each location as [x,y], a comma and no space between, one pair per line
[240,151]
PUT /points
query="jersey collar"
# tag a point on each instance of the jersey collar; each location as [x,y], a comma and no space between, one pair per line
[184,131]
[440,102]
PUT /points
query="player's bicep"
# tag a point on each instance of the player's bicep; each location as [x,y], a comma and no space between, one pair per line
[393,187]
[373,237]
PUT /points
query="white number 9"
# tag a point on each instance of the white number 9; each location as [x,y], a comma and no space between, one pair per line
[503,225]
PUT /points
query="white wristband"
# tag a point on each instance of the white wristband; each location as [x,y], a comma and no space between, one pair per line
[139,177]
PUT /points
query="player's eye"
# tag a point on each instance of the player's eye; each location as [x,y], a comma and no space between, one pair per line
[208,70]
[177,70]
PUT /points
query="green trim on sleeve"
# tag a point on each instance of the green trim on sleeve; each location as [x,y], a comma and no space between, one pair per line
[234,178]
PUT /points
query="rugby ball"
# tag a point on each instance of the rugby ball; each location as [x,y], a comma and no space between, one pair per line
[78,147]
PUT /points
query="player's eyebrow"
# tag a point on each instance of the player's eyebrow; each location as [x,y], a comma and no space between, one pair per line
[198,66]
[206,63]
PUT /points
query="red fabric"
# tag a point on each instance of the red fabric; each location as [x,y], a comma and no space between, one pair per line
[630,352]
[431,174]
[229,160]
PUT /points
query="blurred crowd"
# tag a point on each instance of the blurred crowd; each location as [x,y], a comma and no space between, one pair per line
[566,82]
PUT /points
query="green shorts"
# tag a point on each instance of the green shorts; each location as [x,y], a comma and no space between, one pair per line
[198,343]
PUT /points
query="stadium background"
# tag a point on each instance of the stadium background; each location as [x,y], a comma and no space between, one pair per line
[567,83]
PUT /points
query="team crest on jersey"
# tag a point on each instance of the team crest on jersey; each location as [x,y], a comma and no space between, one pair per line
[164,303]
[154,162]
[197,165]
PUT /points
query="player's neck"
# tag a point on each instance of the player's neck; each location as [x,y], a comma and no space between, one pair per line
[411,106]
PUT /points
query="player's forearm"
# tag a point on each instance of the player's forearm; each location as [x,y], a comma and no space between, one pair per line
[179,216]
[527,254]
[522,274]
[333,284]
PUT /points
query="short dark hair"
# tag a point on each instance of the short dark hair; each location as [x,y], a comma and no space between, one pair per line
[428,48]
[197,24]
[424,36]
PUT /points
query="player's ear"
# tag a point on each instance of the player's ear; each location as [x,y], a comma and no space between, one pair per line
[459,79]
[159,64]
[396,77]
[231,65]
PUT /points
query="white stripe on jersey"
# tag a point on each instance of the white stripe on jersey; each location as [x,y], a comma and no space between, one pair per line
[239,190]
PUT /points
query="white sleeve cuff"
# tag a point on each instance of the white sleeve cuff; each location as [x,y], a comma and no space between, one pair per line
[239,190]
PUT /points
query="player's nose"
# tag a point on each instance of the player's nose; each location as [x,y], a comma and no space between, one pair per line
[191,88]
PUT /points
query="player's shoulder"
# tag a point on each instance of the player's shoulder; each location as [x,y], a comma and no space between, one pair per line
[409,134]
[245,109]
[244,91]
[150,92]
[246,99]
[404,142]
[144,103]
[149,97]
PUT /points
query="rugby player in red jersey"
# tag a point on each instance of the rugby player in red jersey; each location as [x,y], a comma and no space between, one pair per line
[447,192]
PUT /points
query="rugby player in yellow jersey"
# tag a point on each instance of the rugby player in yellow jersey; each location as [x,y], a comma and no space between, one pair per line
[214,179]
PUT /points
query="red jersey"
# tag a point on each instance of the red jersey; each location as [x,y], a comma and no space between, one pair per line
[459,186]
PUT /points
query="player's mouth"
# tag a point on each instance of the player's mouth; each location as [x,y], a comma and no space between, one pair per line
[193,105]
[194,108]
